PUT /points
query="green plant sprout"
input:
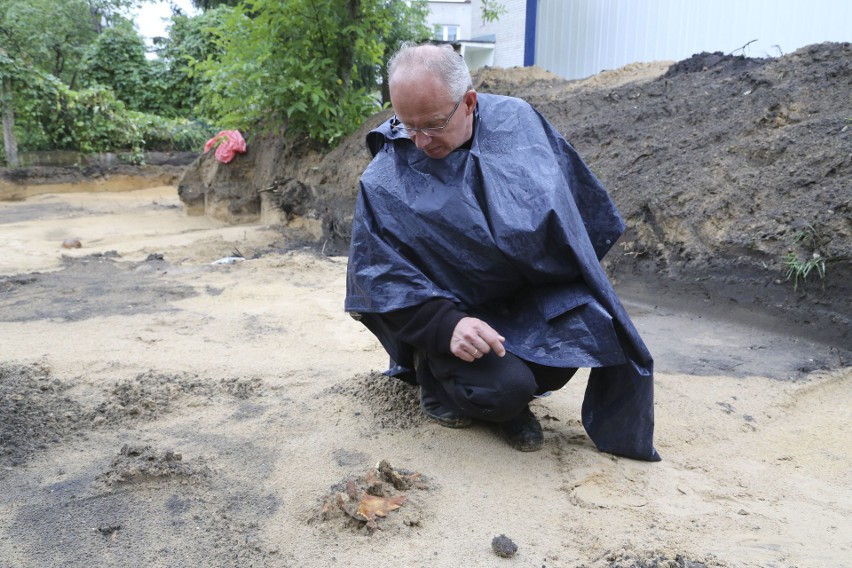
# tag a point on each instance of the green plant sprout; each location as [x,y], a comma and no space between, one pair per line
[798,269]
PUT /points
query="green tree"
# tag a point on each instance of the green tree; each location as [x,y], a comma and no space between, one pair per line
[52,35]
[309,65]
[47,34]
[190,40]
[50,116]
[116,59]
[492,10]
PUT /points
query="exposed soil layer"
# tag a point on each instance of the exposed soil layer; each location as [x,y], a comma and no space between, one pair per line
[104,172]
[732,174]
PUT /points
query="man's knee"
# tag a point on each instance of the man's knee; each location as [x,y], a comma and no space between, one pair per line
[496,404]
[493,388]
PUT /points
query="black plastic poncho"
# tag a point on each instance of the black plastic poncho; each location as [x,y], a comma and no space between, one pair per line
[511,230]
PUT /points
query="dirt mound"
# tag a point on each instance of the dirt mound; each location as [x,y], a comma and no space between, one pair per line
[631,73]
[520,81]
[147,397]
[515,79]
[388,401]
[704,61]
[151,395]
[732,174]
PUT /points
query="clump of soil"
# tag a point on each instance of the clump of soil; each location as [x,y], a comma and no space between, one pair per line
[135,464]
[242,388]
[503,546]
[387,401]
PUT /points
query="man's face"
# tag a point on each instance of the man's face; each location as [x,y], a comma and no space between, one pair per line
[422,101]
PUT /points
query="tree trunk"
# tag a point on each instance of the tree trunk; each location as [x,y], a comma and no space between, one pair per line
[385,84]
[347,57]
[9,141]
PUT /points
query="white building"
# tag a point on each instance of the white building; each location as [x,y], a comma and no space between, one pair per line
[453,21]
[579,38]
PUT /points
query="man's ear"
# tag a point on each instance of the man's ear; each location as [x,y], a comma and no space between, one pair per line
[469,102]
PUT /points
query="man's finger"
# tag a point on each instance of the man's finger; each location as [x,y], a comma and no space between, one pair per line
[496,345]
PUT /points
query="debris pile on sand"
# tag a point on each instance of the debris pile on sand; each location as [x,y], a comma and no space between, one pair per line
[366,500]
[135,464]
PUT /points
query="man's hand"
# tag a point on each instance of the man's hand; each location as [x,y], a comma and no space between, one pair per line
[473,338]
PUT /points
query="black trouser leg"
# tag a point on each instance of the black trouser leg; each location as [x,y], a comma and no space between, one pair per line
[550,378]
[492,388]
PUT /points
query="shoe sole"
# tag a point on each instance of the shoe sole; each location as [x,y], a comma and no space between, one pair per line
[454,423]
[531,447]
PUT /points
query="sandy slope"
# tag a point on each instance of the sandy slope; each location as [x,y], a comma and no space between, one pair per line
[272,398]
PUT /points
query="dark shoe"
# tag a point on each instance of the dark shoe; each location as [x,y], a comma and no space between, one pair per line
[523,432]
[446,417]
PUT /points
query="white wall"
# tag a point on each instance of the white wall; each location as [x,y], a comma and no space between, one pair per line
[509,31]
[451,12]
[579,38]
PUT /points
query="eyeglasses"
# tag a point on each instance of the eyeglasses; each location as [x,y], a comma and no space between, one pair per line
[430,131]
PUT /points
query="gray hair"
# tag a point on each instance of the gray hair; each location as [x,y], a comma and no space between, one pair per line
[441,59]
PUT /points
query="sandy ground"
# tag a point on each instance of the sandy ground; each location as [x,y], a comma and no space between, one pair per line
[160,410]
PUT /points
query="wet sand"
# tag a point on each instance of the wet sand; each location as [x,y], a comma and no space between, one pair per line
[161,410]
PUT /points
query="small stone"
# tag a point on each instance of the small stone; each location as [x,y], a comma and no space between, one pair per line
[72,244]
[503,546]
[109,530]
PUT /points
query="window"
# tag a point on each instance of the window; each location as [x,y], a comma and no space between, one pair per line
[445,32]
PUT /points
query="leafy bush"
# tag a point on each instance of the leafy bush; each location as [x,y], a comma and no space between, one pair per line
[306,64]
[172,134]
[50,116]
